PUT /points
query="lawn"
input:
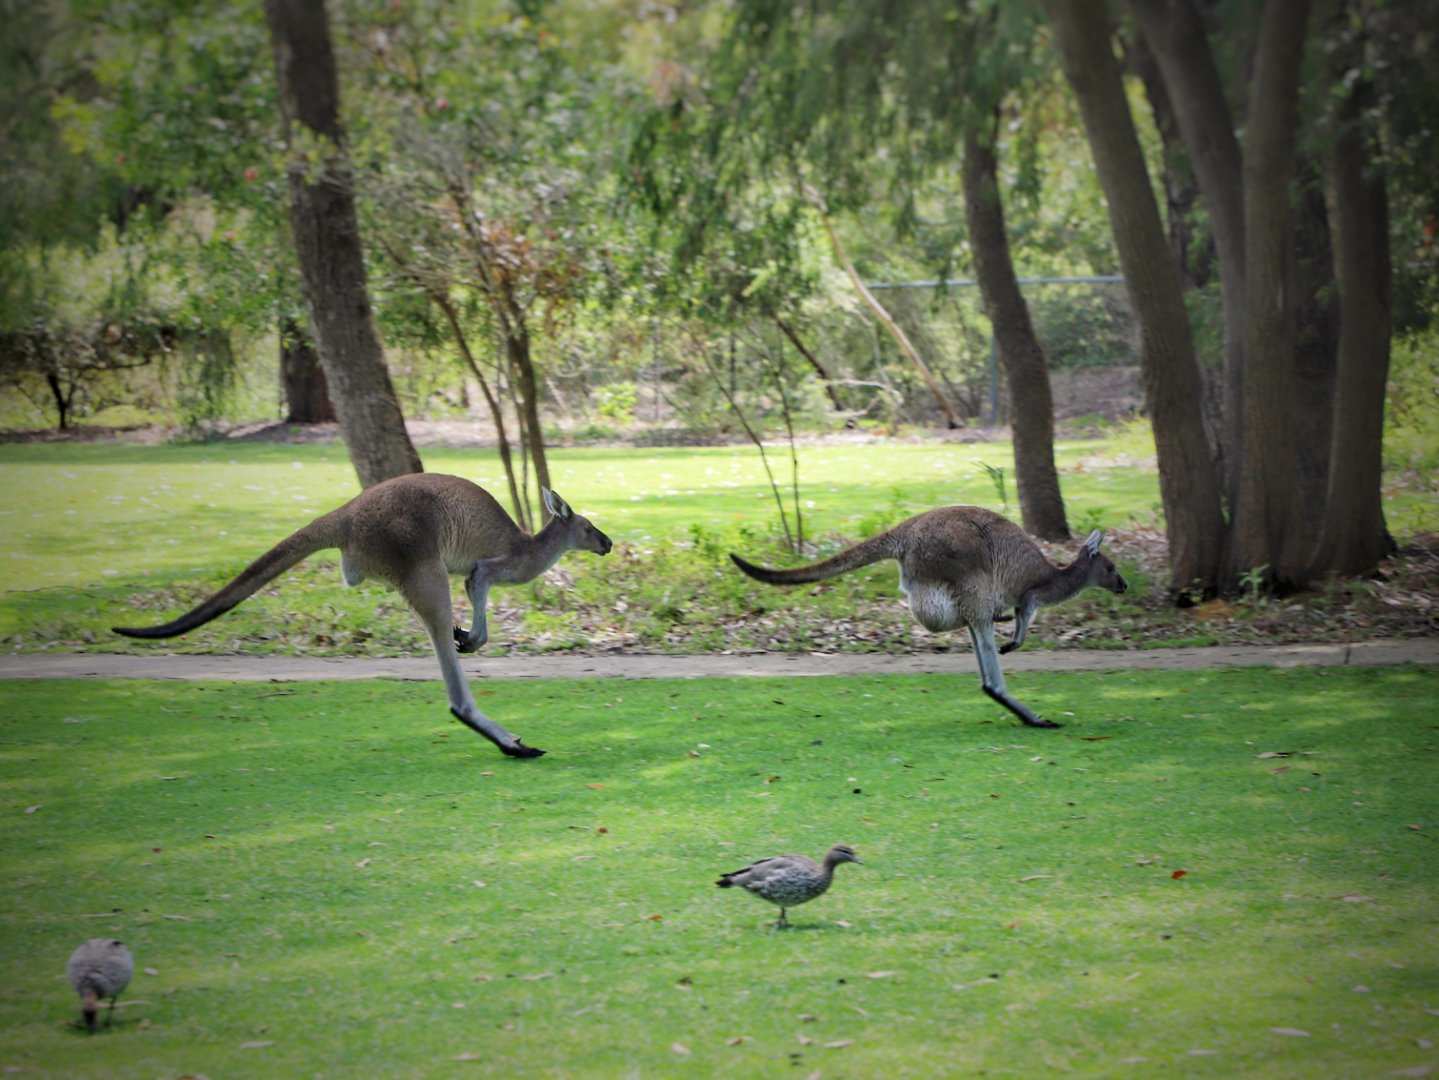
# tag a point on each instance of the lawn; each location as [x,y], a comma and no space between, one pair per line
[97,535]
[338,880]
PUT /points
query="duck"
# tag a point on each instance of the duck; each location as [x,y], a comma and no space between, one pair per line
[789,880]
[99,968]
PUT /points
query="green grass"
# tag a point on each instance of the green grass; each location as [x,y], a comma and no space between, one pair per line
[93,536]
[300,865]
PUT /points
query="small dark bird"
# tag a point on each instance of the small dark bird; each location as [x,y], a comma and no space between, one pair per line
[788,880]
[100,968]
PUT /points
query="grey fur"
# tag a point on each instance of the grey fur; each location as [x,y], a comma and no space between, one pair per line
[99,968]
[967,566]
[788,880]
[412,532]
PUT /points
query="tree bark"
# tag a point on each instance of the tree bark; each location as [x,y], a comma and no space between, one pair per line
[1031,404]
[1175,34]
[1173,388]
[1353,537]
[1316,345]
[327,243]
[307,399]
[517,346]
[1267,528]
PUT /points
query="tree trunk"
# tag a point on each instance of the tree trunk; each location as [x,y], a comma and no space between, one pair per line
[1176,37]
[1173,388]
[1267,527]
[1353,538]
[1316,347]
[307,400]
[1031,405]
[62,400]
[517,345]
[327,243]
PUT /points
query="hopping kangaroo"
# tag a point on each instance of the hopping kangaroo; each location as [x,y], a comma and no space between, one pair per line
[413,532]
[963,565]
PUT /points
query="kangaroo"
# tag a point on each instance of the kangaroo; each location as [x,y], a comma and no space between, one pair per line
[967,565]
[412,532]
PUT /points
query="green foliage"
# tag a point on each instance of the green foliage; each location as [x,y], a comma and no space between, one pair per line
[1411,436]
[616,401]
[267,849]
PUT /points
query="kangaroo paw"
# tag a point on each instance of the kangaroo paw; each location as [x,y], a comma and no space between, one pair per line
[462,640]
[1008,647]
[520,750]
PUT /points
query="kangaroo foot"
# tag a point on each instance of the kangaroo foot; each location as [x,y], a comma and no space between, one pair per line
[513,746]
[463,642]
[1007,647]
[1038,721]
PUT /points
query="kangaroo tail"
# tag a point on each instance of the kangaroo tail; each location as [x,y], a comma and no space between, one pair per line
[321,533]
[862,554]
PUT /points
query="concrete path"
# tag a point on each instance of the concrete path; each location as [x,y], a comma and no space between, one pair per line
[300,668]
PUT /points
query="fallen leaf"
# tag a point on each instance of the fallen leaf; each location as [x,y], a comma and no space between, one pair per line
[602,830]
[804,1040]
[1354,898]
[1293,1033]
[655,918]
[32,809]
[152,971]
[681,1049]
[468,1055]
[362,864]
[1275,753]
[844,923]
[838,1044]
[1095,738]
[737,1040]
[257,1044]
[1416,828]
[595,787]
[1178,874]
[878,974]
[1036,877]
[537,976]
[478,884]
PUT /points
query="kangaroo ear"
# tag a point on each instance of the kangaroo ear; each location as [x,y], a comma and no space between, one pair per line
[1093,540]
[555,505]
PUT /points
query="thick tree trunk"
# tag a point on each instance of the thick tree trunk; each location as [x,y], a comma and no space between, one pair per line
[1176,37]
[1267,527]
[1316,347]
[62,400]
[1173,388]
[1031,405]
[327,242]
[307,399]
[1353,538]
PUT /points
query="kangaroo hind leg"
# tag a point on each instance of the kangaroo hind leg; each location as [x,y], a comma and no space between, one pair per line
[992,676]
[427,588]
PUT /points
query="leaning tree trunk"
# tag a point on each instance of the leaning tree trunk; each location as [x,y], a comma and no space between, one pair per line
[1175,34]
[327,243]
[1031,406]
[1268,527]
[307,398]
[1173,388]
[1353,538]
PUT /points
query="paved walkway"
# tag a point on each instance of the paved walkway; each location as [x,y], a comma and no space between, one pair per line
[301,668]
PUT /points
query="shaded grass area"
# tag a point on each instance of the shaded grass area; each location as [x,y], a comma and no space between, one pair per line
[93,536]
[336,879]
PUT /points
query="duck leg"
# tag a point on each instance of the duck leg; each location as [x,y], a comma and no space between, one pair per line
[992,675]
[783,922]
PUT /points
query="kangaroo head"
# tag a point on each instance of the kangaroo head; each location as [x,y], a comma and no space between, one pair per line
[580,532]
[1102,572]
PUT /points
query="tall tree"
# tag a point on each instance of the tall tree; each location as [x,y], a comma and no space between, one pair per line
[1352,537]
[1175,34]
[1173,388]
[1268,524]
[327,242]
[1031,405]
